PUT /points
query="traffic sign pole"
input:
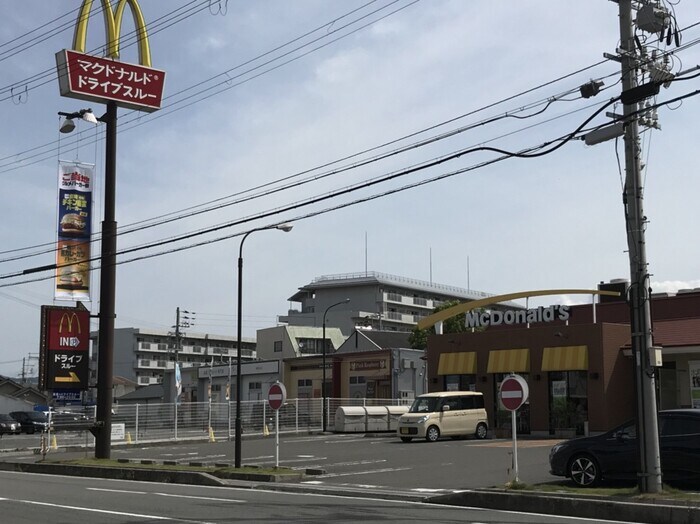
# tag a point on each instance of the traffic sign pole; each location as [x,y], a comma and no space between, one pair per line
[276,397]
[513,394]
[515,446]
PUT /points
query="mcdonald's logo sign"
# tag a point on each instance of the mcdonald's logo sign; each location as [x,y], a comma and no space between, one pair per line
[68,328]
[72,322]
[102,80]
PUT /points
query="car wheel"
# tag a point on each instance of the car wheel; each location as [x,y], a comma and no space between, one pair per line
[432,434]
[481,431]
[584,471]
[406,439]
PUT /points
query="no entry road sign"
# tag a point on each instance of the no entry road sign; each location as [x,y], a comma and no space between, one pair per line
[276,395]
[514,392]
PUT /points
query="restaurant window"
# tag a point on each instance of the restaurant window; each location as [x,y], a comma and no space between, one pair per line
[460,382]
[568,401]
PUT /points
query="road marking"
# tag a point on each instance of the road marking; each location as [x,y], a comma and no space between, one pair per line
[107,512]
[163,494]
[368,472]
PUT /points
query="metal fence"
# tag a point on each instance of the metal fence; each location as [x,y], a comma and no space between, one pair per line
[213,421]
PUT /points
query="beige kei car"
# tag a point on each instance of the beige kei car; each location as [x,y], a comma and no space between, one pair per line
[445,414]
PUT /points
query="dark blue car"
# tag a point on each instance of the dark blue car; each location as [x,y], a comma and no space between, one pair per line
[615,455]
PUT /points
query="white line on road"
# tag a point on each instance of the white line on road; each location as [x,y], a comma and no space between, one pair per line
[164,495]
[369,472]
[106,512]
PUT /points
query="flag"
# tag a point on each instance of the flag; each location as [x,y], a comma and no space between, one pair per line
[178,381]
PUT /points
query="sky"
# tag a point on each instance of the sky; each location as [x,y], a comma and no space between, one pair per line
[278,111]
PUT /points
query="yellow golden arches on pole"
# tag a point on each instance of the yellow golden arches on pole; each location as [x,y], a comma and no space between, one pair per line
[113,26]
[443,315]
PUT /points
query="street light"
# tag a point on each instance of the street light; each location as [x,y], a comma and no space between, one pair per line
[323,365]
[282,227]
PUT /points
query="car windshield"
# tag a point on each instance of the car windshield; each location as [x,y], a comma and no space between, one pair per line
[6,418]
[424,405]
[35,415]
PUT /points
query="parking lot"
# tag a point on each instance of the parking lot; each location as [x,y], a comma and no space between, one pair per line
[380,461]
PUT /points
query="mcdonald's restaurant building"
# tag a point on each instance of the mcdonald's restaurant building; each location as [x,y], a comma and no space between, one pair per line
[577,361]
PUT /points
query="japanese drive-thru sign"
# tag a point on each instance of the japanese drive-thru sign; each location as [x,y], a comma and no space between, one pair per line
[514,392]
[98,79]
[65,348]
[277,395]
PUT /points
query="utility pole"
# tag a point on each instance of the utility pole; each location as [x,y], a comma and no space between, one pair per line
[639,293]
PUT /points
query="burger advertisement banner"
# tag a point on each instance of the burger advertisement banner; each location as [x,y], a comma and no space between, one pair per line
[75,182]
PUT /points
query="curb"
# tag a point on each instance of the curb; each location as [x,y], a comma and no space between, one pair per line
[643,512]
[150,475]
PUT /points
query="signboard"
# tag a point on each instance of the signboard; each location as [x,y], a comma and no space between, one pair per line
[118,431]
[75,183]
[277,395]
[65,347]
[514,392]
[66,395]
[102,80]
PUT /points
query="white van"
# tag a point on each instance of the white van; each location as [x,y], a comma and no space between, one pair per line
[449,413]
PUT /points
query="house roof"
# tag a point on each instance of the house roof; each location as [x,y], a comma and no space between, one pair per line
[154,391]
[377,340]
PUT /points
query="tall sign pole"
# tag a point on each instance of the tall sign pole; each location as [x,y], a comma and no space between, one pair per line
[639,295]
[117,84]
[108,263]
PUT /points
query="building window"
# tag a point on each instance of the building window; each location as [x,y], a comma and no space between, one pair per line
[304,382]
[277,345]
[255,385]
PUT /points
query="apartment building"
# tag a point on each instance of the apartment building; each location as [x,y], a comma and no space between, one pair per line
[143,355]
[378,300]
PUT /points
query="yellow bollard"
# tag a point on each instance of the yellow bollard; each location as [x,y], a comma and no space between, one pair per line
[128,437]
[266,431]
[54,444]
[212,438]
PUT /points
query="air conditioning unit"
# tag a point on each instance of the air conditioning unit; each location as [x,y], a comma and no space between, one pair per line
[407,364]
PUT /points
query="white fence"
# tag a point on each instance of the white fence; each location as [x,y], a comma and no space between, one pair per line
[217,420]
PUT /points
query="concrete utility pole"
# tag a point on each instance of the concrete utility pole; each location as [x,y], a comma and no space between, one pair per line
[639,294]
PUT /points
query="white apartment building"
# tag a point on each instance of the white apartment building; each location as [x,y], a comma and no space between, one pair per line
[143,355]
[378,300]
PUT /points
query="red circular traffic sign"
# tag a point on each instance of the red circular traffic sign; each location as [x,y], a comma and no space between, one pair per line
[514,392]
[276,395]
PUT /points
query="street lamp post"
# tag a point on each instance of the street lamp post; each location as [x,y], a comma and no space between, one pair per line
[323,365]
[282,227]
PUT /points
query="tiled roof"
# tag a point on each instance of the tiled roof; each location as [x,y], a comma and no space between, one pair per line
[680,332]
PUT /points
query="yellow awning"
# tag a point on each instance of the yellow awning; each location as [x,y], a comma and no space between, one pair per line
[509,360]
[566,358]
[463,363]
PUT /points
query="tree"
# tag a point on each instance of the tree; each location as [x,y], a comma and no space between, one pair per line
[419,337]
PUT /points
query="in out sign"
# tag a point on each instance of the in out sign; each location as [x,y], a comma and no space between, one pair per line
[513,392]
[276,395]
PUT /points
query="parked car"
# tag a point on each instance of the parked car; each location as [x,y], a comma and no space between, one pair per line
[31,421]
[451,414]
[8,425]
[615,455]
[68,420]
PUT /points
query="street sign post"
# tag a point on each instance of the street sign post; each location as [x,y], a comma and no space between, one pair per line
[276,397]
[513,394]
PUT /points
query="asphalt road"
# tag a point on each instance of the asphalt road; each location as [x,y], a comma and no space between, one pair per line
[372,461]
[32,498]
